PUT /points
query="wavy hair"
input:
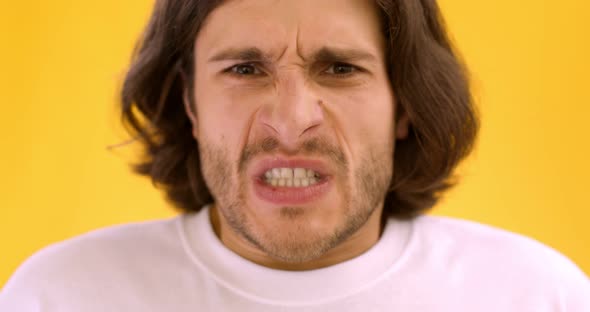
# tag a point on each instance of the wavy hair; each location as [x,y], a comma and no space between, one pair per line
[428,79]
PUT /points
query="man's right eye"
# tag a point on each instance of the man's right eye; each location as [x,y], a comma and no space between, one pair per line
[247,69]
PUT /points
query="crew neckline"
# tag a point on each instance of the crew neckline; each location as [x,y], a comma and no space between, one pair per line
[273,286]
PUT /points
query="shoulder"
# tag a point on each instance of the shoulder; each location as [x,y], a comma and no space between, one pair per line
[500,258]
[466,236]
[126,241]
[86,263]
[480,242]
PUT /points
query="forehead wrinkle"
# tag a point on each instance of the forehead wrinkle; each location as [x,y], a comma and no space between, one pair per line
[297,45]
[282,53]
[333,51]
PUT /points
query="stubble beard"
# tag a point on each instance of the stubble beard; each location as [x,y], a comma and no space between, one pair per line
[297,243]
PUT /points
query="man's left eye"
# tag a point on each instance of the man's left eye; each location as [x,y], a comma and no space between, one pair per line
[341,69]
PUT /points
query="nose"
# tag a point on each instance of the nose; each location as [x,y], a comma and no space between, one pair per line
[295,113]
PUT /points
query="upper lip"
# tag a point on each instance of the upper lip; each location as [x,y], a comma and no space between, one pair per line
[263,165]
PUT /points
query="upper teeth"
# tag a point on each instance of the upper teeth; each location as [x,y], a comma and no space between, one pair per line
[290,173]
[291,177]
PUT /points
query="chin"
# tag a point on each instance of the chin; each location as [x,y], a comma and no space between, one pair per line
[296,233]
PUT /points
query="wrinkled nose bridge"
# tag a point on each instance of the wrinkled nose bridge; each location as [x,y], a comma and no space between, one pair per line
[295,107]
[291,97]
[290,85]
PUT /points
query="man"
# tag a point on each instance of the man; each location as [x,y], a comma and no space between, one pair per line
[303,139]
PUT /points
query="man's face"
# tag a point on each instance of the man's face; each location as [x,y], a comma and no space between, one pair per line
[295,121]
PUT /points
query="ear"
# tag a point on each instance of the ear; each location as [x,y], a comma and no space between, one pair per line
[402,123]
[188,107]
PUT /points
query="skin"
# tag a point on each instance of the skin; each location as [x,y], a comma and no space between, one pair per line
[291,97]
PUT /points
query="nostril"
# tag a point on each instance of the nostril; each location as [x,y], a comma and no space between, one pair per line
[270,127]
[311,128]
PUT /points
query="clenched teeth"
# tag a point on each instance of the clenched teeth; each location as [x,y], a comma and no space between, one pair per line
[291,177]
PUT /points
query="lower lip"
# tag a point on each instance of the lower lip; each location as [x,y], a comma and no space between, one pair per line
[291,195]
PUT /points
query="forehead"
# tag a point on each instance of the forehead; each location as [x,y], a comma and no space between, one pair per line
[305,26]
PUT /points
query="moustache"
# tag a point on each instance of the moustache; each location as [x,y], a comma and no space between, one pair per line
[317,147]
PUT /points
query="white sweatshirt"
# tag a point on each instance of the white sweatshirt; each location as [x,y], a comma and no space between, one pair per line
[179,265]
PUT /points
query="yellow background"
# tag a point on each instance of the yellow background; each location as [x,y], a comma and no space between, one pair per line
[61,63]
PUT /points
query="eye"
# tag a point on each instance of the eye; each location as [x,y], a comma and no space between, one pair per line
[341,69]
[246,69]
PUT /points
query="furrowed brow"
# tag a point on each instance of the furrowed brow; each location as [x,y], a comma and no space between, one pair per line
[325,54]
[249,54]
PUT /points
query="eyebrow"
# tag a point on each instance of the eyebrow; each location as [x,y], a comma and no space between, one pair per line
[246,54]
[325,54]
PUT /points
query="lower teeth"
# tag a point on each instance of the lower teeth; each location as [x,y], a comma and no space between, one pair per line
[303,182]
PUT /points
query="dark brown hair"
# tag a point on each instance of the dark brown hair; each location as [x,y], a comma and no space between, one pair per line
[429,82]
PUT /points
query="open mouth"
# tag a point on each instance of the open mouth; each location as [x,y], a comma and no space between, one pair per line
[291,177]
[289,181]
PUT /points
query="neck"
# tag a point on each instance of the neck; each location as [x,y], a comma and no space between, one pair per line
[361,241]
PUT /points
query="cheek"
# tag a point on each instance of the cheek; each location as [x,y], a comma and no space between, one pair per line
[366,117]
[225,115]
